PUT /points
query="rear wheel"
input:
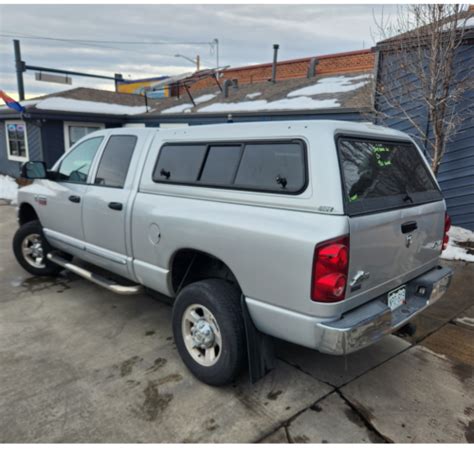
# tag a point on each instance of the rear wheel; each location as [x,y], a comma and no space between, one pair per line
[209,331]
[30,249]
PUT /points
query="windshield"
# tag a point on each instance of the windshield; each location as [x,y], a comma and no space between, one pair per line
[380,175]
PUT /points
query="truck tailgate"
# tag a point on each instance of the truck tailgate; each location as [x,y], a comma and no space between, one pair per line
[385,246]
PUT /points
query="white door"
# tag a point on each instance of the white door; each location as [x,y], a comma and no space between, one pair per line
[105,206]
[65,194]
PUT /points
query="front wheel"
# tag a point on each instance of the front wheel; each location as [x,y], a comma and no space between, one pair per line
[30,249]
[209,331]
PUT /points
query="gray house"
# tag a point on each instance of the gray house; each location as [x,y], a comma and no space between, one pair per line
[52,124]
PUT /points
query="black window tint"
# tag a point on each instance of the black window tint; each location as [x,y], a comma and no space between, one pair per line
[381,175]
[179,163]
[221,164]
[272,167]
[115,160]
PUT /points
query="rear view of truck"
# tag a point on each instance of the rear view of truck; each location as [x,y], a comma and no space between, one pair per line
[397,229]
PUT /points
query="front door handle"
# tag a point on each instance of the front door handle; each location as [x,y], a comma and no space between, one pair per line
[116,206]
[75,198]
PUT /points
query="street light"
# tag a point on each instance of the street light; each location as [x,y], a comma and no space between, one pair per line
[196,61]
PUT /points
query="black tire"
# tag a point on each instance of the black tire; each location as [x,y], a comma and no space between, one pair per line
[222,299]
[30,228]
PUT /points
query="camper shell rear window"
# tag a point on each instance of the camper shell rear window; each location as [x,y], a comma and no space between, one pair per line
[265,166]
[380,175]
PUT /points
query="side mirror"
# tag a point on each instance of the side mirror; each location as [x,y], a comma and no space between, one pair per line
[34,170]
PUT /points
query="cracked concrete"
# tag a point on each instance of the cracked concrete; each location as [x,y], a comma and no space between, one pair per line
[80,364]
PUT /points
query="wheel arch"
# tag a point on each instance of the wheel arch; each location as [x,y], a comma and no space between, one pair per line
[27,213]
[188,265]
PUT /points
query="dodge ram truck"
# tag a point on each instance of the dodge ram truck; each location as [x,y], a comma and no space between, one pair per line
[323,233]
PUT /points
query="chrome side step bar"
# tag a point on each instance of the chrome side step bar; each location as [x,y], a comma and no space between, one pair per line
[95,278]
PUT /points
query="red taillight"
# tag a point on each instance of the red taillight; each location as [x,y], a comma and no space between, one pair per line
[447,226]
[330,267]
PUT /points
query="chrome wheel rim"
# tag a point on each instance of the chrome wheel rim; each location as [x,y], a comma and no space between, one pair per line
[202,335]
[32,251]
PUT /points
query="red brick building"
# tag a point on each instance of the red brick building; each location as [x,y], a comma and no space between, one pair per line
[352,61]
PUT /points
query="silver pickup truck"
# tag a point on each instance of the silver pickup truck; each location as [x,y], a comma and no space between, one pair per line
[323,233]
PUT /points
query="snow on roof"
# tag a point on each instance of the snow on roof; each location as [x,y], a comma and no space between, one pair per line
[204,98]
[24,103]
[332,85]
[86,106]
[343,91]
[298,103]
[469,23]
[253,95]
[177,109]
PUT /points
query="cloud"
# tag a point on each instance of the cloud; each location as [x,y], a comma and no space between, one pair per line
[245,32]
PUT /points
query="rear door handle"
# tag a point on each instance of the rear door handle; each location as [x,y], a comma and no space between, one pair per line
[116,206]
[409,227]
[74,198]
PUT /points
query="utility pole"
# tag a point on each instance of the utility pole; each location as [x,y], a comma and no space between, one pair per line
[198,62]
[20,68]
[216,42]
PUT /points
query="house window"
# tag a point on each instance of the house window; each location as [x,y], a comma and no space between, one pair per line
[74,131]
[17,143]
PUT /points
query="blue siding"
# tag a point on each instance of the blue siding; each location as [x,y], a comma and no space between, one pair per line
[53,141]
[456,172]
[10,167]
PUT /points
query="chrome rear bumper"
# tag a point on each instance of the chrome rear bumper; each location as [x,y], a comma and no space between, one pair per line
[370,322]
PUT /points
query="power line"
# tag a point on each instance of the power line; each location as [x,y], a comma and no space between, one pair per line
[82,40]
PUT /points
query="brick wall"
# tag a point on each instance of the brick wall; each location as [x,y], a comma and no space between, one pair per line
[353,61]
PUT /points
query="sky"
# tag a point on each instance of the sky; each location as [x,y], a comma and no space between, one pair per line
[246,34]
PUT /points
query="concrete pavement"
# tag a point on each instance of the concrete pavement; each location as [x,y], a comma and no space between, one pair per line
[81,364]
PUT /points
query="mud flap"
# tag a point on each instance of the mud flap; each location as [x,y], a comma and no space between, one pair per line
[260,347]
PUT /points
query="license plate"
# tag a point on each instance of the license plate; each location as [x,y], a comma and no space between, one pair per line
[397,297]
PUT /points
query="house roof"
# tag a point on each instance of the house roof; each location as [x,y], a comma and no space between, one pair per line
[465,22]
[83,100]
[337,91]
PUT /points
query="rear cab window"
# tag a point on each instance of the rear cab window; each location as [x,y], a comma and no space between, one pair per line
[278,167]
[381,175]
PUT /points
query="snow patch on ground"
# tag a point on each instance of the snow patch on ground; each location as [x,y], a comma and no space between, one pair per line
[466,320]
[441,356]
[455,251]
[332,85]
[253,95]
[8,189]
[86,106]
[282,104]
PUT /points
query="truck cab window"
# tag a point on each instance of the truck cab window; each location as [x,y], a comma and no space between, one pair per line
[277,167]
[179,163]
[221,164]
[76,165]
[115,161]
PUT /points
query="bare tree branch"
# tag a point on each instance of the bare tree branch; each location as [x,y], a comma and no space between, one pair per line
[424,87]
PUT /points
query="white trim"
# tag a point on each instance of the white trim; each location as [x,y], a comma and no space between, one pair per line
[11,157]
[66,126]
